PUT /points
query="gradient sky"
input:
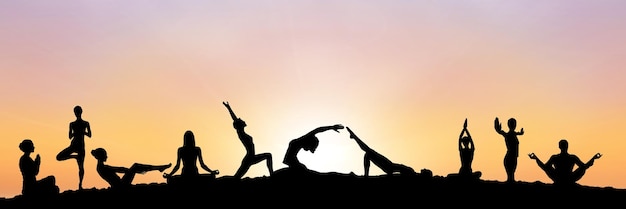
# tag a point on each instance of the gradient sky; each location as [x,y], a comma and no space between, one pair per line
[403,75]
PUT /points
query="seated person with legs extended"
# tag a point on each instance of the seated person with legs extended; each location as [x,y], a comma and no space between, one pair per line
[109,173]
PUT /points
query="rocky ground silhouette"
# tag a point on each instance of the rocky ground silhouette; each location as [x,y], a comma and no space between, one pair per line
[332,190]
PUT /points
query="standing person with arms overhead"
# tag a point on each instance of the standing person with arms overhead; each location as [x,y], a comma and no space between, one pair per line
[77,132]
[512,147]
[251,157]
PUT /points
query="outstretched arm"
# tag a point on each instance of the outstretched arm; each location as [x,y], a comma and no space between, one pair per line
[230,110]
[325,128]
[590,163]
[175,166]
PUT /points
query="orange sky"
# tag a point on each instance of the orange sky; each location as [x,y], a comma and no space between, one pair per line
[402,75]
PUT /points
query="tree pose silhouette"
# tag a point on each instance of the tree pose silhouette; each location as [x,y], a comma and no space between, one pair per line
[77,132]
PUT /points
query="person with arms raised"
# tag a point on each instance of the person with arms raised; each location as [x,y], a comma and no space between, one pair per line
[251,157]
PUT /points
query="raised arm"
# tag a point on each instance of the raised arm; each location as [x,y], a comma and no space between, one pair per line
[230,110]
[498,126]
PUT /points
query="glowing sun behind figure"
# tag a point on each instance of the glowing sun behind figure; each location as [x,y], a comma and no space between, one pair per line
[403,75]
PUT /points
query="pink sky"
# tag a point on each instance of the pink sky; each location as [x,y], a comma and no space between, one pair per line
[403,75]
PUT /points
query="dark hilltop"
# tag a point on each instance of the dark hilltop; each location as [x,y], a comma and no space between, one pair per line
[332,190]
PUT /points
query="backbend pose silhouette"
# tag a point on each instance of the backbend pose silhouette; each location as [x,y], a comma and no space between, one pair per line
[77,132]
[190,155]
[512,147]
[109,173]
[371,156]
[307,142]
[30,168]
[560,167]
[250,158]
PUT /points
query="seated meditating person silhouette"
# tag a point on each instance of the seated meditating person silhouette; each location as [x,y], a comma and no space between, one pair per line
[109,173]
[466,153]
[190,155]
[371,156]
[31,187]
[560,167]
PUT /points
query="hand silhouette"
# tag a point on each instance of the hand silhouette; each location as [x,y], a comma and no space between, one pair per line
[337,127]
[598,155]
[497,124]
[465,124]
[532,156]
[352,135]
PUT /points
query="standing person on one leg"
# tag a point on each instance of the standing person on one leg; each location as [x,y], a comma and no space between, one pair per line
[77,132]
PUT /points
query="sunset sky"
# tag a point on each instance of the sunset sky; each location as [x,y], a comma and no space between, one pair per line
[403,75]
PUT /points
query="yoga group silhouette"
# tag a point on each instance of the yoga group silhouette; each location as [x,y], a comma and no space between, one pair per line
[559,168]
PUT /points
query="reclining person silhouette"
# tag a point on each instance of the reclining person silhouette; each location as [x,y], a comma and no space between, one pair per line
[190,155]
[560,167]
[31,187]
[371,156]
[109,173]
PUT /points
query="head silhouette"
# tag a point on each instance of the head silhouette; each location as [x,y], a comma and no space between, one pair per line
[189,140]
[512,123]
[27,146]
[311,145]
[465,140]
[239,124]
[78,111]
[563,145]
[100,154]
